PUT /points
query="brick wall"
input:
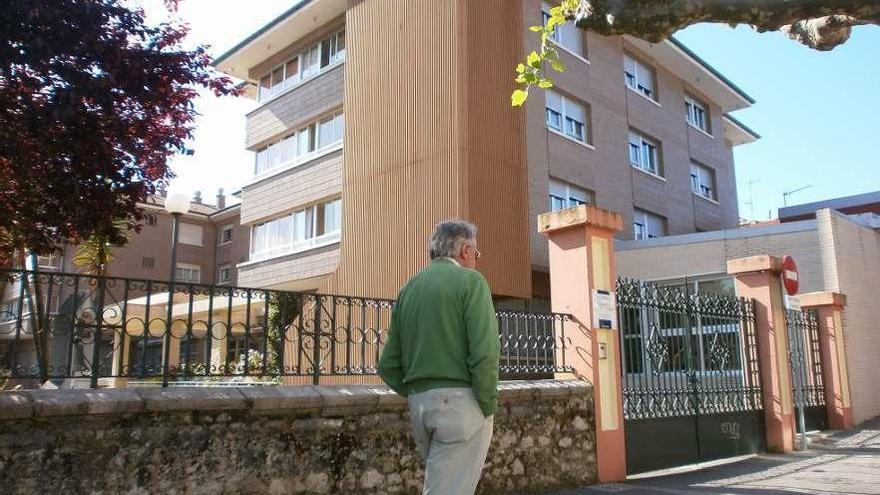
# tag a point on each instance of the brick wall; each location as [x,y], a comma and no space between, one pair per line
[605,168]
[297,107]
[344,439]
[290,268]
[856,262]
[316,180]
[707,253]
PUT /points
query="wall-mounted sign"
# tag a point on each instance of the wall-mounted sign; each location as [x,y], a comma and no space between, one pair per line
[792,303]
[790,275]
[604,309]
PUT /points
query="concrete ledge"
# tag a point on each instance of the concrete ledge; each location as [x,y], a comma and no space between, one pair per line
[87,401]
[558,389]
[303,399]
[16,405]
[760,263]
[348,399]
[327,401]
[191,399]
[814,299]
[516,392]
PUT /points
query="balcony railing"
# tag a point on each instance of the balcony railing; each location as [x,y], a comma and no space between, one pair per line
[162,332]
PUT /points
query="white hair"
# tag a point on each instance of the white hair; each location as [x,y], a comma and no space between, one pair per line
[449,236]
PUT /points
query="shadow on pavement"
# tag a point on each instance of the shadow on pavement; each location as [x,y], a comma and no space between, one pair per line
[844,462]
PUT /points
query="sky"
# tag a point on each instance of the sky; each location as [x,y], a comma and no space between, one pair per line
[816,111]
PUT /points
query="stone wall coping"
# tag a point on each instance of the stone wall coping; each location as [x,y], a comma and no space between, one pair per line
[326,400]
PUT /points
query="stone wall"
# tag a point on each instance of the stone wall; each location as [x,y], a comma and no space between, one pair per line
[322,439]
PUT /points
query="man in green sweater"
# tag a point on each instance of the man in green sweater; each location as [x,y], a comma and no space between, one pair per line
[442,354]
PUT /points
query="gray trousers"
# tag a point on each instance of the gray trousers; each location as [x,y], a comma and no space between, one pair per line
[452,436]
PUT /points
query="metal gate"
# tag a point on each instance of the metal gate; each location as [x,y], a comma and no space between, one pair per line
[808,387]
[691,384]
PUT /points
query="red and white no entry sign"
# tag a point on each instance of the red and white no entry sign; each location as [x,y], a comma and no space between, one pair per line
[790,275]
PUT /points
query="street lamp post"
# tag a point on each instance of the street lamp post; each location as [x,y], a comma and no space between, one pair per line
[176,204]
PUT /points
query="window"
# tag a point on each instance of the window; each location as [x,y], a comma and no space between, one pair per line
[226,233]
[191,234]
[302,145]
[49,261]
[648,225]
[567,116]
[639,77]
[312,61]
[564,195]
[148,262]
[301,230]
[567,36]
[224,274]
[189,273]
[644,153]
[10,309]
[697,115]
[703,181]
[150,220]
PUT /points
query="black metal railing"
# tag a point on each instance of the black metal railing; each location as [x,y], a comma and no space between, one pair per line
[684,353]
[805,358]
[73,326]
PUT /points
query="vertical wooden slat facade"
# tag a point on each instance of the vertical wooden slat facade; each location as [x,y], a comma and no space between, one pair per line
[430,135]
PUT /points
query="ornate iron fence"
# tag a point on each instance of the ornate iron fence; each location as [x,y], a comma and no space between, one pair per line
[808,387]
[686,354]
[72,326]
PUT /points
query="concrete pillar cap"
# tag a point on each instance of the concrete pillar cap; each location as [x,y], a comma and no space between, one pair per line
[583,215]
[825,298]
[752,264]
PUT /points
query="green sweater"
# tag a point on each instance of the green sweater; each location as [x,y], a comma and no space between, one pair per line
[444,333]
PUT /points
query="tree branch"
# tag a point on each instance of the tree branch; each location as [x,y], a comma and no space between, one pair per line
[818,24]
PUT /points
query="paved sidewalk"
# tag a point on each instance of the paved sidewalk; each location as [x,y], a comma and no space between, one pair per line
[840,463]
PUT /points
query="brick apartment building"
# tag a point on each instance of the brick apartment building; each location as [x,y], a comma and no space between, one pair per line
[378,118]
[212,242]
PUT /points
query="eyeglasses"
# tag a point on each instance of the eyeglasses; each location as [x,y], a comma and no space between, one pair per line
[477,254]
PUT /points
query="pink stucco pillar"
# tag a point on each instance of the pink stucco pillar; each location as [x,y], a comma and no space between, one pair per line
[838,403]
[581,242]
[757,277]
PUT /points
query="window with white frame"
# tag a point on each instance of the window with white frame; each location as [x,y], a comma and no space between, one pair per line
[638,76]
[567,116]
[564,195]
[310,62]
[224,274]
[644,153]
[187,272]
[49,261]
[703,181]
[648,225]
[302,145]
[303,229]
[568,36]
[191,234]
[226,233]
[697,115]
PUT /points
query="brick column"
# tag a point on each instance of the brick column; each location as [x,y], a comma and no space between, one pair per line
[581,261]
[757,278]
[838,404]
